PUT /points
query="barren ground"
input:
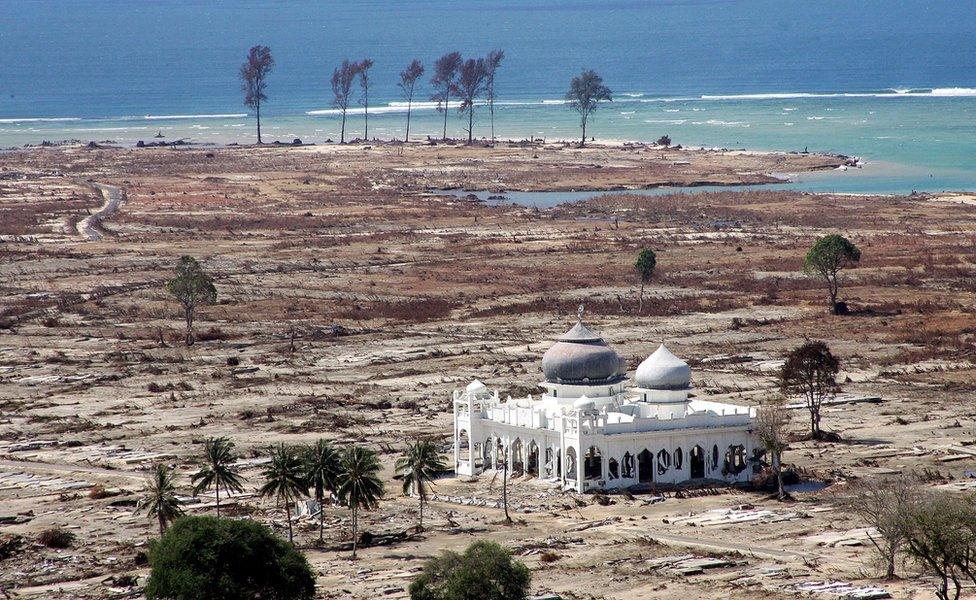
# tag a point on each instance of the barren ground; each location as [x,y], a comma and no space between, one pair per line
[396,295]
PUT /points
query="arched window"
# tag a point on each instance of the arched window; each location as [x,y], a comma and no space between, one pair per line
[663,462]
[593,464]
[679,458]
[697,459]
[613,467]
[628,466]
[715,457]
[735,460]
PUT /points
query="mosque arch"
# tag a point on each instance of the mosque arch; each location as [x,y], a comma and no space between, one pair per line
[679,458]
[613,469]
[645,466]
[532,459]
[464,446]
[697,459]
[571,463]
[593,464]
[518,457]
[735,460]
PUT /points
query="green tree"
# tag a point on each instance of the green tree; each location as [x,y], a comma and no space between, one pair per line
[254,75]
[192,287]
[408,83]
[160,501]
[204,558]
[470,84]
[827,258]
[362,69]
[359,484]
[285,480]
[218,471]
[484,571]
[811,371]
[323,463]
[492,62]
[646,262]
[586,91]
[444,82]
[342,79]
[419,465]
[771,423]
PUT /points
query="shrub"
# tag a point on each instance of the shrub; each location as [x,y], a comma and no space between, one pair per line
[203,557]
[484,570]
[56,538]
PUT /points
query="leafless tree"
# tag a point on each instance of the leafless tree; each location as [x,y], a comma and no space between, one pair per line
[408,83]
[940,535]
[471,83]
[445,82]
[363,68]
[492,62]
[771,423]
[884,504]
[254,75]
[342,80]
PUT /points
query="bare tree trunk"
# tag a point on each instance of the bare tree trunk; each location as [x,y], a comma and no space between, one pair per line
[491,111]
[366,115]
[640,302]
[470,122]
[778,468]
[583,139]
[162,523]
[291,539]
[342,132]
[218,501]
[188,313]
[447,98]
[354,516]
[421,513]
[321,500]
[406,138]
[258,110]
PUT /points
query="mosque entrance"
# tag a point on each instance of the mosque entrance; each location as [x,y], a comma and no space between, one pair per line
[645,466]
[697,462]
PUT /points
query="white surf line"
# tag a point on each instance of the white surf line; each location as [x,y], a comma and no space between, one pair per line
[88,226]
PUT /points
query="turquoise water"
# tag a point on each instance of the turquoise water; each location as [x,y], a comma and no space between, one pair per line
[893,83]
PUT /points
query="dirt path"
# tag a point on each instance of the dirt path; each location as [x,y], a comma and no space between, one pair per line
[90,226]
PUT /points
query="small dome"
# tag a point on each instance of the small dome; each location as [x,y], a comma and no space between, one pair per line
[476,388]
[580,356]
[583,403]
[663,371]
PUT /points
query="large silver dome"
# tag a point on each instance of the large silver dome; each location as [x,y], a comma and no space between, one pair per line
[663,371]
[581,357]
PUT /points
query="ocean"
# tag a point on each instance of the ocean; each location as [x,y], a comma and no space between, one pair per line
[891,82]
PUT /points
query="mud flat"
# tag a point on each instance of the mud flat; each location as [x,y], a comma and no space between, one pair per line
[397,295]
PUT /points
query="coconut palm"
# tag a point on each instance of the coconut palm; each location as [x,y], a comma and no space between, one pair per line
[322,466]
[420,463]
[285,480]
[160,498]
[218,471]
[359,484]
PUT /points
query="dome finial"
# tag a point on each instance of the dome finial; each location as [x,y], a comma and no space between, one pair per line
[579,312]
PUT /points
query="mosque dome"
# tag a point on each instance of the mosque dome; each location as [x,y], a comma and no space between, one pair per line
[663,371]
[476,388]
[581,357]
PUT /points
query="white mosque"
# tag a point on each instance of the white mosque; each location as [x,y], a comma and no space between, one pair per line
[590,430]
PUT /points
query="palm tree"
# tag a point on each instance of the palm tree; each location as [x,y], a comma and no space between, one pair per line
[217,471]
[419,464]
[160,499]
[285,480]
[322,466]
[359,484]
